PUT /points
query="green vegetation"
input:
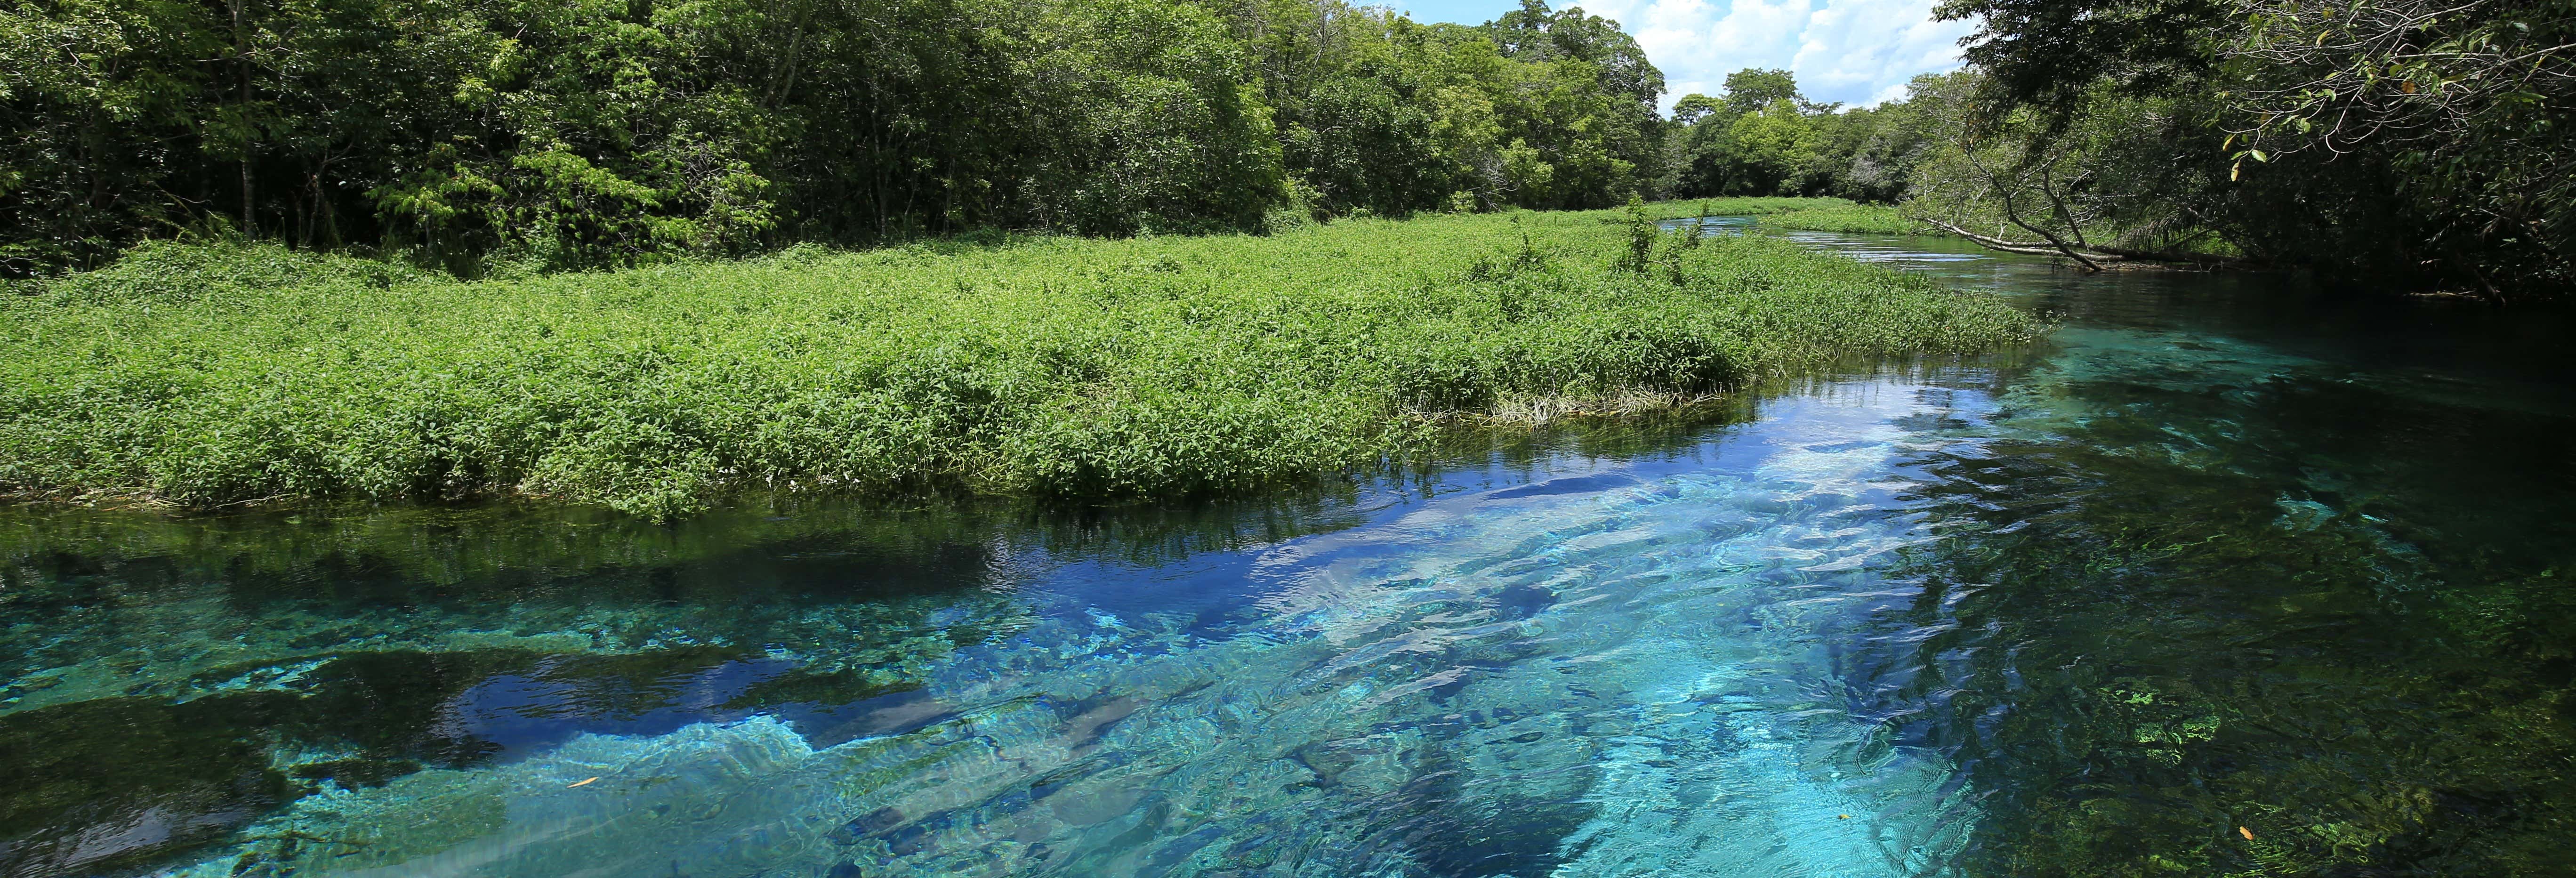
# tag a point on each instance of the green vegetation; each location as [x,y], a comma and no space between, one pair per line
[1698,207]
[1763,137]
[2402,142]
[2362,650]
[2385,143]
[1873,219]
[2384,140]
[507,135]
[2075,186]
[212,375]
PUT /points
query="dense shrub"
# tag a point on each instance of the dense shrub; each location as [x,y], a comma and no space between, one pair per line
[205,376]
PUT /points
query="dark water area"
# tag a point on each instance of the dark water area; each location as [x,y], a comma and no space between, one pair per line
[2228,576]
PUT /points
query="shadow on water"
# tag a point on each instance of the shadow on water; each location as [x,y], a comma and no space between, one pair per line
[172,680]
[2246,578]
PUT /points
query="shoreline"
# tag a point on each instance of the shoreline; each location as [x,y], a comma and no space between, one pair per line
[196,379]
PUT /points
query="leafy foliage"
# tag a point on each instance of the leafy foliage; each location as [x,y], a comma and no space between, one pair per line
[1764,137]
[2119,177]
[1044,366]
[2424,144]
[1870,219]
[508,135]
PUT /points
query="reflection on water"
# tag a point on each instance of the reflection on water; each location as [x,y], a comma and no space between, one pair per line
[2217,555]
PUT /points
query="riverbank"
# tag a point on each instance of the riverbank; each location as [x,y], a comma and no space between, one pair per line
[1847,218]
[205,377]
[1799,214]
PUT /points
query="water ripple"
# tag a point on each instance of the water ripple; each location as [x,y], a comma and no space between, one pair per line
[1627,671]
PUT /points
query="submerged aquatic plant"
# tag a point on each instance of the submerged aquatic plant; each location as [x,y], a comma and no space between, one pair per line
[2221,611]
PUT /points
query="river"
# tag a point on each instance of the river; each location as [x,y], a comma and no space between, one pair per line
[2224,577]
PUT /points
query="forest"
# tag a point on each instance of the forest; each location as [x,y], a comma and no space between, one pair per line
[2404,145]
[2420,143]
[489,135]
[739,438]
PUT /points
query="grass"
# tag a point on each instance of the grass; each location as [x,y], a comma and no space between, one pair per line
[1807,214]
[1684,208]
[1843,216]
[208,376]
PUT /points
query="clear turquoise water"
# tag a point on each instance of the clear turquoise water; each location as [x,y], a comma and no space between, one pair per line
[2220,554]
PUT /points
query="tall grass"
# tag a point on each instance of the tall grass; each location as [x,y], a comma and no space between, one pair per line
[1841,216]
[1684,208]
[208,376]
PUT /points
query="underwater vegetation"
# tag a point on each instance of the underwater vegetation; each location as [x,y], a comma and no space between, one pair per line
[2218,579]
[2301,620]
[166,682]
[171,681]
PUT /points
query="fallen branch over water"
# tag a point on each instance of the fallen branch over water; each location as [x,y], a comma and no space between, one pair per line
[2094,256]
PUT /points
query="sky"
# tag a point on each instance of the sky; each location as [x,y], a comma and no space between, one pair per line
[1858,52]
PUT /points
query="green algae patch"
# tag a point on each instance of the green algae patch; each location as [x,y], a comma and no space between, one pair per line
[1085,369]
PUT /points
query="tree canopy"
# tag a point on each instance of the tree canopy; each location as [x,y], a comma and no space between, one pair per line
[1763,136]
[2392,141]
[485,134]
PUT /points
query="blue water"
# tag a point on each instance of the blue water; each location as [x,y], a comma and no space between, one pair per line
[1609,667]
[1800,637]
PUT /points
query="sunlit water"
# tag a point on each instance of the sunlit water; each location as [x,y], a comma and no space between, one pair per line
[2217,555]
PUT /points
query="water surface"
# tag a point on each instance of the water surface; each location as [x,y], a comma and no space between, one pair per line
[2222,558]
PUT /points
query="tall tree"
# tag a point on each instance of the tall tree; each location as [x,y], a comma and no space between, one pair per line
[2410,141]
[517,134]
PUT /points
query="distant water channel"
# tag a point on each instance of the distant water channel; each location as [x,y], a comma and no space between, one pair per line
[2223,578]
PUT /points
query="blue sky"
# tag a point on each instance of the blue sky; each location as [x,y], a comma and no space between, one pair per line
[1853,51]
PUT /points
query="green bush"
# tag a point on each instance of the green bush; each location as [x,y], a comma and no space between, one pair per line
[211,375]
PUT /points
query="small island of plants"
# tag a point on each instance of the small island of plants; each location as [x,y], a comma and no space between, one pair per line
[204,375]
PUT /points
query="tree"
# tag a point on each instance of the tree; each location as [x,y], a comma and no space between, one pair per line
[1750,90]
[1766,138]
[1533,33]
[2051,54]
[487,135]
[2093,186]
[2382,141]
[2471,106]
[1694,107]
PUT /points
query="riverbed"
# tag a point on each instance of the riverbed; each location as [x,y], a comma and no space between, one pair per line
[2227,575]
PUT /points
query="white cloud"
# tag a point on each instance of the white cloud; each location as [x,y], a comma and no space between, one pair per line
[1856,52]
